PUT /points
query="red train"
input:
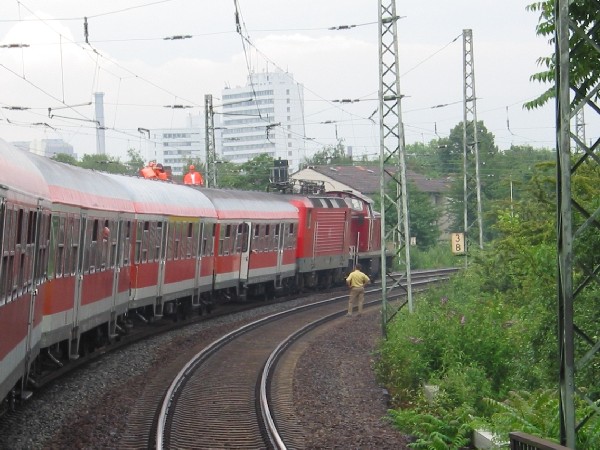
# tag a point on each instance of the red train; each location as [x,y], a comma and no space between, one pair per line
[83,253]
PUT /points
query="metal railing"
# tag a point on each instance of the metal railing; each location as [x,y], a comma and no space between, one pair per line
[523,441]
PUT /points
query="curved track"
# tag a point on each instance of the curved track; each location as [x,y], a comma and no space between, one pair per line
[223,399]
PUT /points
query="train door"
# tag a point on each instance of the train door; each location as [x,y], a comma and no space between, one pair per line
[280,230]
[74,345]
[162,230]
[371,223]
[118,244]
[199,252]
[243,234]
[33,244]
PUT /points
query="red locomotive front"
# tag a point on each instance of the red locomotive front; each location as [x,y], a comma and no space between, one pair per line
[365,231]
[323,249]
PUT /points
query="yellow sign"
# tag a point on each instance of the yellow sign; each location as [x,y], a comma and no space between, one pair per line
[458,243]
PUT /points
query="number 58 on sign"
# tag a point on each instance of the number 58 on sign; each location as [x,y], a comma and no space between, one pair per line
[458,243]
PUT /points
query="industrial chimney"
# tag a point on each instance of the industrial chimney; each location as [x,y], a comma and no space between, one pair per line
[100,144]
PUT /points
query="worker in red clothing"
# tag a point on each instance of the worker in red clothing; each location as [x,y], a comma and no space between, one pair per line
[148,171]
[193,177]
[160,172]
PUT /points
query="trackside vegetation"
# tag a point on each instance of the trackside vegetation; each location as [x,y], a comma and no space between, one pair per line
[488,339]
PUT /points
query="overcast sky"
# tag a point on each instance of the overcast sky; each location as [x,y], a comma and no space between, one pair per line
[140,72]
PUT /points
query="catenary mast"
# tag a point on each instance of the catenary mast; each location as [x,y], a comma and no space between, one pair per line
[395,232]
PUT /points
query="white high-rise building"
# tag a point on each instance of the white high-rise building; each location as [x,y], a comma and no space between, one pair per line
[265,116]
[174,147]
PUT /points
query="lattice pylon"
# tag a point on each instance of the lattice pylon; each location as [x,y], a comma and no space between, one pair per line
[578,221]
[211,156]
[395,234]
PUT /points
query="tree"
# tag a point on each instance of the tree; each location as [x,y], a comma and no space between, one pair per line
[425,158]
[253,175]
[103,163]
[451,149]
[584,68]
[423,216]
[332,154]
[135,161]
[65,158]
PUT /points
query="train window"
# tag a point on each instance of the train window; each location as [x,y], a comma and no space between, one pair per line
[19,226]
[94,234]
[158,236]
[61,267]
[88,256]
[177,240]
[245,241]
[53,249]
[148,243]
[182,240]
[113,239]
[208,240]
[171,243]
[241,241]
[292,241]
[138,244]
[6,278]
[47,218]
[256,230]
[31,225]
[127,246]
[355,204]
[189,241]
[267,242]
[75,239]
[228,231]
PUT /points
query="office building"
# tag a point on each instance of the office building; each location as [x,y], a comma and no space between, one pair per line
[174,147]
[265,116]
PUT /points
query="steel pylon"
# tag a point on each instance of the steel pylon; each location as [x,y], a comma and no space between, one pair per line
[395,231]
[211,156]
[578,220]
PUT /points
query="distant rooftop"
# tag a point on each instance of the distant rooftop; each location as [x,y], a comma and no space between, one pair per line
[365,179]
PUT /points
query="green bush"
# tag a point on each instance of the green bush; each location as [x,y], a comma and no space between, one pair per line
[444,429]
[536,413]
[435,257]
[447,337]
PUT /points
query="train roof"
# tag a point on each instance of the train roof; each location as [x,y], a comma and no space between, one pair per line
[20,173]
[345,194]
[72,185]
[322,201]
[160,197]
[232,204]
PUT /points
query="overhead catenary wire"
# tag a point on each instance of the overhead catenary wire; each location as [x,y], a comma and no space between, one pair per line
[102,66]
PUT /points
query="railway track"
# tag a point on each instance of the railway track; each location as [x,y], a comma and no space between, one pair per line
[233,394]
[134,430]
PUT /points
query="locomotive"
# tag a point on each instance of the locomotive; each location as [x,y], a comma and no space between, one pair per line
[84,252]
